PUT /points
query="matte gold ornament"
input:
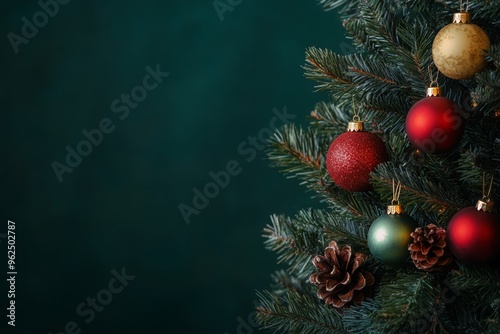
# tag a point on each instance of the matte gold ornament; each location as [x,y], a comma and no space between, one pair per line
[459,48]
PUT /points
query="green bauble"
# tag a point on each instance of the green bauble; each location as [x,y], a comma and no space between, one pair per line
[389,236]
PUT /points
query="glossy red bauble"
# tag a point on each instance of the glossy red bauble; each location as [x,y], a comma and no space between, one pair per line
[351,158]
[435,124]
[474,236]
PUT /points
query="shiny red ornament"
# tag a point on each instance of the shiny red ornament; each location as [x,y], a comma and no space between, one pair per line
[435,124]
[473,236]
[353,155]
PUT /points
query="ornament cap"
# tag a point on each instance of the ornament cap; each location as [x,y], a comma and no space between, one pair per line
[462,17]
[395,209]
[356,125]
[433,91]
[485,204]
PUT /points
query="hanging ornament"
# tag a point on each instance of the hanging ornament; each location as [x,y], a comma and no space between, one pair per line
[459,48]
[353,155]
[473,233]
[435,124]
[390,234]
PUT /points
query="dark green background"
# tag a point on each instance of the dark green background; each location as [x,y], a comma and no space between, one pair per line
[119,207]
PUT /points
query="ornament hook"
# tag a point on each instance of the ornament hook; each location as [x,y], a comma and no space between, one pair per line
[433,89]
[466,6]
[396,192]
[434,81]
[486,196]
[356,124]
[356,117]
[485,204]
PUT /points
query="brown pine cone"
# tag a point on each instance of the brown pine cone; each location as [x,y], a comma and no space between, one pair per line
[340,279]
[428,250]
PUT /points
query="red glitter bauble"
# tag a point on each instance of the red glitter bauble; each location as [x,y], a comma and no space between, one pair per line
[474,236]
[351,158]
[435,124]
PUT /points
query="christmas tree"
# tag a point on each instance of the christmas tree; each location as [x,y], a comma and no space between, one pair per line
[397,243]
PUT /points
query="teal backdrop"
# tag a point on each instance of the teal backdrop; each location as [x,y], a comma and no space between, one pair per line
[114,211]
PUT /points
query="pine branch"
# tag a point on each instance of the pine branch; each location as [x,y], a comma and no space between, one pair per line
[487,10]
[327,68]
[477,278]
[373,86]
[361,207]
[418,189]
[294,246]
[340,229]
[333,4]
[330,119]
[478,288]
[408,302]
[284,283]
[298,153]
[472,164]
[494,55]
[360,319]
[297,240]
[378,87]
[297,314]
[343,74]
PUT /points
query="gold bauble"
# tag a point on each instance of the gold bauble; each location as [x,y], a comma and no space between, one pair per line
[459,48]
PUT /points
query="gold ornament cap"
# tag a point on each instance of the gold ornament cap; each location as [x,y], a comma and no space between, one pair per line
[485,204]
[395,208]
[356,125]
[433,91]
[462,17]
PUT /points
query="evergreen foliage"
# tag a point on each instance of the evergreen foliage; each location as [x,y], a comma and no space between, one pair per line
[385,77]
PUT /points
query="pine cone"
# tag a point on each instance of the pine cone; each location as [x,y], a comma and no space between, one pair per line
[428,250]
[340,279]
